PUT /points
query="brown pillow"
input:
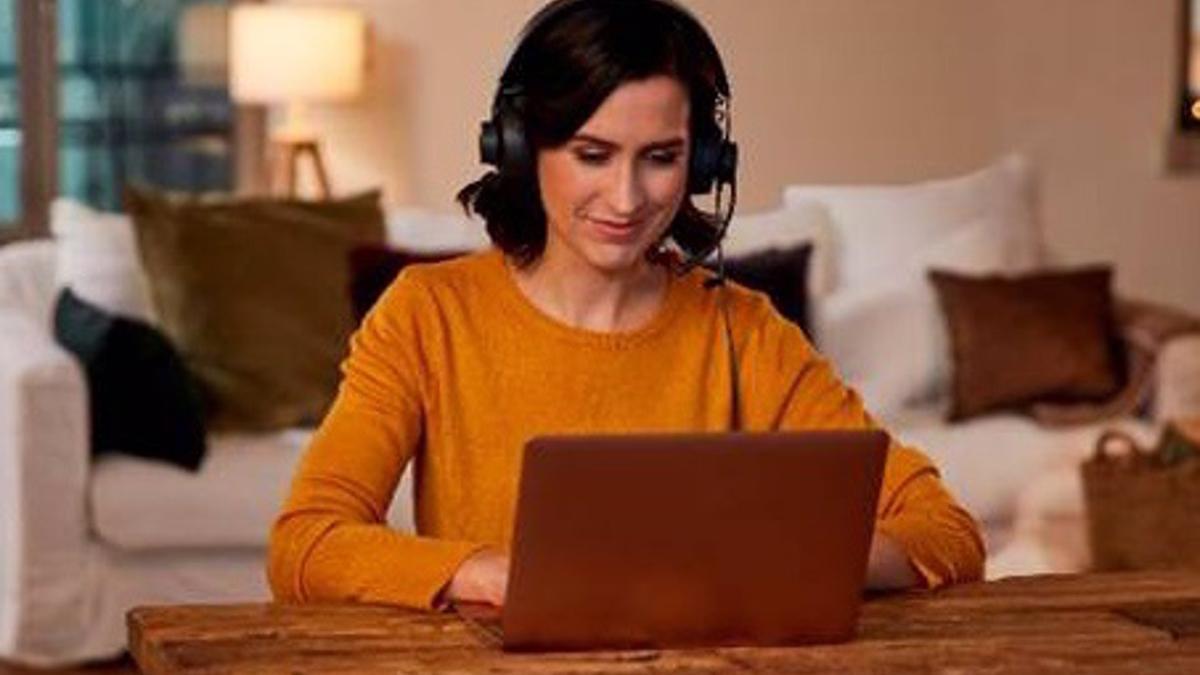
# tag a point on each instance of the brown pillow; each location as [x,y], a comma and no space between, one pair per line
[253,294]
[1144,328]
[1018,340]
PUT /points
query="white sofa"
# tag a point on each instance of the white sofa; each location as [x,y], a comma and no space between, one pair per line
[82,541]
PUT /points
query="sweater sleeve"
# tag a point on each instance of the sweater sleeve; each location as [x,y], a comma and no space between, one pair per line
[331,541]
[798,389]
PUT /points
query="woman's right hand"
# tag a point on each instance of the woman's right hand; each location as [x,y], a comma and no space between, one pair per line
[481,578]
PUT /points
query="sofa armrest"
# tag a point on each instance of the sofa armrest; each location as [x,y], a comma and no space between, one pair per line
[44,465]
[1177,390]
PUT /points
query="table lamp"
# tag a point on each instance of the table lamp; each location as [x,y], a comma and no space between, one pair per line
[293,55]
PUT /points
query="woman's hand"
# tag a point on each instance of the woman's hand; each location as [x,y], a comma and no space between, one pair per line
[888,567]
[481,578]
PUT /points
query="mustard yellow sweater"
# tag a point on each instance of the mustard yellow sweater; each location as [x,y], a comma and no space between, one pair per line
[454,369]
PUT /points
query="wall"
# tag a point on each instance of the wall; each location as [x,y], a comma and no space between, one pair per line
[1089,96]
[848,91]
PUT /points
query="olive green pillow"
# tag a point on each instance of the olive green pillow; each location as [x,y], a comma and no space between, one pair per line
[252,292]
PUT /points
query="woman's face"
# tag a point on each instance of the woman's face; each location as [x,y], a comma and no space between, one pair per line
[611,191]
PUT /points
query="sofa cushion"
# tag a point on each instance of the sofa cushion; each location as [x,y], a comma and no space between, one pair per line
[425,231]
[1015,340]
[373,267]
[252,291]
[230,502]
[887,338]
[988,462]
[98,259]
[141,399]
[780,272]
[786,227]
[875,228]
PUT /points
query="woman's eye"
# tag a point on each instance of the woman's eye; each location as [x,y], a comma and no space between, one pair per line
[591,157]
[664,158]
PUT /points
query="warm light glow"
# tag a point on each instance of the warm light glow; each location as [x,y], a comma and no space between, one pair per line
[295,53]
[1196,110]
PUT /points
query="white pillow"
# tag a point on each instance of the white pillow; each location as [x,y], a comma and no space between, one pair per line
[888,338]
[97,257]
[787,226]
[424,231]
[876,229]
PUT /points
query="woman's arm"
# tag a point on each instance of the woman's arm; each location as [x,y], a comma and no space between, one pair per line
[923,537]
[331,541]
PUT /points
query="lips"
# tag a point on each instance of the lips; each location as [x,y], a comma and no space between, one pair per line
[616,230]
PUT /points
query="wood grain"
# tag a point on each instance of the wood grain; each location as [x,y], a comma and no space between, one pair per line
[1047,624]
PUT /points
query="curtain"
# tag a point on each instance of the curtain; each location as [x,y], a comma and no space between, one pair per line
[134,105]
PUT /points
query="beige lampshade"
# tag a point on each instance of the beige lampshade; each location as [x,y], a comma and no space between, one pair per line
[295,53]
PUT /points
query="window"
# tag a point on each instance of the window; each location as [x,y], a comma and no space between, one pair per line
[10,121]
[95,96]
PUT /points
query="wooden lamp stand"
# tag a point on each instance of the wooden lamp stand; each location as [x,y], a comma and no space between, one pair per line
[286,154]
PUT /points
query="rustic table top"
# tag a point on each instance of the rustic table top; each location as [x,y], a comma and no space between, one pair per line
[1095,624]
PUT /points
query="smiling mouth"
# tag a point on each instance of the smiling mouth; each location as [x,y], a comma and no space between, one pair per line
[616,224]
[616,230]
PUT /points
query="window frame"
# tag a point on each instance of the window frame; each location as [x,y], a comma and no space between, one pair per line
[36,33]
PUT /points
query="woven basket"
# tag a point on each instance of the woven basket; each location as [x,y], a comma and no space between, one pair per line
[1143,507]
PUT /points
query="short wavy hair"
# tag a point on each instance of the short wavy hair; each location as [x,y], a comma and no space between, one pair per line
[566,69]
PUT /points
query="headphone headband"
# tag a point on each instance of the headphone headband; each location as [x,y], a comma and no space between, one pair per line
[503,141]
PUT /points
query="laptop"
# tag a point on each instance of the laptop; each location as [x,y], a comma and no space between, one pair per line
[676,540]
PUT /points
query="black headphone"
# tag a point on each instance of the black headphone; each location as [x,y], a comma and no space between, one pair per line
[503,142]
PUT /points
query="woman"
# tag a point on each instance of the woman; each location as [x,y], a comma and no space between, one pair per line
[574,322]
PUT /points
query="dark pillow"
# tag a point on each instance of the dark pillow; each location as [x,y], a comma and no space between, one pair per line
[252,292]
[1048,336]
[781,273]
[373,268]
[141,399]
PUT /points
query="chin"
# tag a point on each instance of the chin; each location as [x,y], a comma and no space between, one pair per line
[614,259]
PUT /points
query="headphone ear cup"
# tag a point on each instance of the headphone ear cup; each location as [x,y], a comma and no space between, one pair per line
[727,163]
[502,144]
[489,144]
[714,160]
[515,156]
[702,168]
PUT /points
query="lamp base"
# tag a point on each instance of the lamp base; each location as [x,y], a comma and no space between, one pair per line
[286,154]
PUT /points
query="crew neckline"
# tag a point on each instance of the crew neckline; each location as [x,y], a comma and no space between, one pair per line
[671,305]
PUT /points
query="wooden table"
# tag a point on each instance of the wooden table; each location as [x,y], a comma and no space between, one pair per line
[1096,624]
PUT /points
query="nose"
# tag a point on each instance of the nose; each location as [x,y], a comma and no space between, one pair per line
[626,192]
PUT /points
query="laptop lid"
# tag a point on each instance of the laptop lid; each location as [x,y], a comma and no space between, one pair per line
[637,541]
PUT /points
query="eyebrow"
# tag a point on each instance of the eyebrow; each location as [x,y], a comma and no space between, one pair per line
[657,145]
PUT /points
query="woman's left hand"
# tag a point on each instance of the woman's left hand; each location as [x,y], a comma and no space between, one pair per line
[888,567]
[481,578]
